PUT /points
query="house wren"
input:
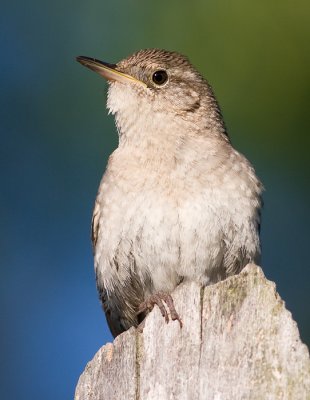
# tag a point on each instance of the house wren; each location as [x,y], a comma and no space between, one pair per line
[177,201]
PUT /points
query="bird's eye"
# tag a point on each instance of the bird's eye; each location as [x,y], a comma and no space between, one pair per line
[160,77]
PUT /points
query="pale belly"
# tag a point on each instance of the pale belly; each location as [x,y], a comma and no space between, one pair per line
[159,241]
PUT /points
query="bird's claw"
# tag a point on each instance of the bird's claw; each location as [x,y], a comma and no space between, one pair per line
[159,299]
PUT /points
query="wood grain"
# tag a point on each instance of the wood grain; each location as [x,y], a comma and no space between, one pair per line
[238,341]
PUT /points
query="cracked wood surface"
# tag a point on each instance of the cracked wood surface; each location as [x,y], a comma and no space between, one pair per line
[237,342]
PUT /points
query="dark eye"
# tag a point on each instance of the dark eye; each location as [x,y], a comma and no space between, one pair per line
[160,77]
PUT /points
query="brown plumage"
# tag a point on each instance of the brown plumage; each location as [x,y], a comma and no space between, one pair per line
[177,201]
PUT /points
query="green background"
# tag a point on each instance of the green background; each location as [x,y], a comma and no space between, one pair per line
[56,137]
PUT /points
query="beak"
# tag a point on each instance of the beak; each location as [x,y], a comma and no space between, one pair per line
[108,71]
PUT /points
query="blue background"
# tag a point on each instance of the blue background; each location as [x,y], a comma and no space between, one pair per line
[56,137]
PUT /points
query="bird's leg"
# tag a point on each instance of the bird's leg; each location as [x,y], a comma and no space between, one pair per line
[160,298]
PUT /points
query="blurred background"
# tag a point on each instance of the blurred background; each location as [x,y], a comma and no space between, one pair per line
[56,137]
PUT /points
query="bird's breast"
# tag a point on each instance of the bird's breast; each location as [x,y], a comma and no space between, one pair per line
[164,224]
[156,231]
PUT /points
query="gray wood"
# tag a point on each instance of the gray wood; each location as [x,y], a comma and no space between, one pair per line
[251,347]
[237,342]
[169,366]
[112,373]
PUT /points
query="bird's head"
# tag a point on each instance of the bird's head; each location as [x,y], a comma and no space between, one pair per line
[153,89]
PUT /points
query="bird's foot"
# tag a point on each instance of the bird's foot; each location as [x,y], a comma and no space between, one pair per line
[160,298]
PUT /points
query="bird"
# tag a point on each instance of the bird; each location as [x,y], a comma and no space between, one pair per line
[177,202]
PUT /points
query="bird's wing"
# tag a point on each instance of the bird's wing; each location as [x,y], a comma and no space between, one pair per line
[95,224]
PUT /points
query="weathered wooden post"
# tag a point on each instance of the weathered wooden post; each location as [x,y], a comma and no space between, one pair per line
[238,342]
